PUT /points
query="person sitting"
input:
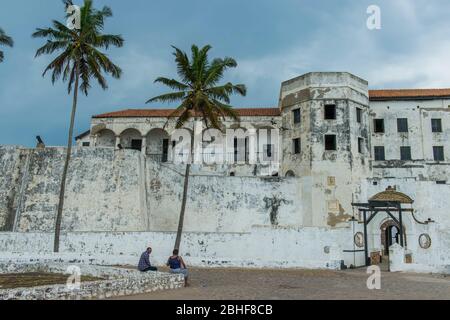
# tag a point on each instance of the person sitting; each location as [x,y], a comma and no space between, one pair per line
[144,262]
[177,266]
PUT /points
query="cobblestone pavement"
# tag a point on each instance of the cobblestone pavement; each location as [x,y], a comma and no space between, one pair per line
[239,284]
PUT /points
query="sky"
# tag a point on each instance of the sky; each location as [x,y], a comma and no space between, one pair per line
[272,41]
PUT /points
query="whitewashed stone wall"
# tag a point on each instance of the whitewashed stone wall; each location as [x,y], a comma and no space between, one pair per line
[261,247]
[121,190]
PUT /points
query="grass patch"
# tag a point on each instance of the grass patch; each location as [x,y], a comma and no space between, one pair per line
[36,279]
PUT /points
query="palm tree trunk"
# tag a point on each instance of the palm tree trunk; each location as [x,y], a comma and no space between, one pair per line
[66,164]
[183,207]
[185,194]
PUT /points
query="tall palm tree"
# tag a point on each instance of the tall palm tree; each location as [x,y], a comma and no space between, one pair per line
[200,98]
[79,60]
[5,40]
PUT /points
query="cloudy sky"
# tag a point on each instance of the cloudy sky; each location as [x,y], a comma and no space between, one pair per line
[272,40]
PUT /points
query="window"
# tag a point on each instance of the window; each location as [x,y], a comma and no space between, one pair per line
[441,182]
[330,112]
[378,125]
[360,145]
[402,125]
[379,154]
[297,116]
[86,144]
[436,125]
[165,150]
[297,146]
[136,145]
[405,153]
[438,153]
[330,143]
[359,115]
[268,152]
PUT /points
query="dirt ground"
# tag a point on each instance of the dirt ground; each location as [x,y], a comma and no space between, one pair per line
[238,284]
[28,280]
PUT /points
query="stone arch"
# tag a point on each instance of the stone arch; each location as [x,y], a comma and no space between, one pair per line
[290,174]
[129,138]
[384,229]
[158,144]
[106,138]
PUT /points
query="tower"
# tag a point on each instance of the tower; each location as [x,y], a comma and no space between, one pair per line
[326,142]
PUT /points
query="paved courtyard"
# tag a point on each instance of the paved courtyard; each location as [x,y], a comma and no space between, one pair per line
[237,284]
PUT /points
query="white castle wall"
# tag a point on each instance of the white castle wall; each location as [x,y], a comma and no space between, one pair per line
[118,203]
[261,247]
[112,190]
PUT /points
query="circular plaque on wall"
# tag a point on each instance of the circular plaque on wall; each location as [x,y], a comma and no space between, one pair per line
[359,239]
[425,241]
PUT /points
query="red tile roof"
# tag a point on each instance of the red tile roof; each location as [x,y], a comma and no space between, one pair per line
[408,94]
[163,113]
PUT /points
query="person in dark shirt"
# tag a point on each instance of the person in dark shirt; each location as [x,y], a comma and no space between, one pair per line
[177,266]
[144,262]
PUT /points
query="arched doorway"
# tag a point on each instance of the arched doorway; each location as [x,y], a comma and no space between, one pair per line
[106,138]
[390,202]
[390,234]
[158,145]
[131,139]
[290,174]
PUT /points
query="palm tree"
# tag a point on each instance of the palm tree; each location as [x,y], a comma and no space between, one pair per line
[201,98]
[5,40]
[79,60]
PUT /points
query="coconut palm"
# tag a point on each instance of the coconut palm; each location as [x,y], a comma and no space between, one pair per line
[200,98]
[5,40]
[79,60]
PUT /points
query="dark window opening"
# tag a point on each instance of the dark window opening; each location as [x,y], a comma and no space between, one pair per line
[86,144]
[402,125]
[330,143]
[441,182]
[405,153]
[330,112]
[136,145]
[379,125]
[360,145]
[438,153]
[359,115]
[297,116]
[241,150]
[379,154]
[165,155]
[268,151]
[297,146]
[436,125]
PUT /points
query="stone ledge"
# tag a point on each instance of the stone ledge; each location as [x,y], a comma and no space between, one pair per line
[118,282]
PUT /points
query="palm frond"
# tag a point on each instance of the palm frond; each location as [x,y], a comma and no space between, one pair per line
[172,83]
[169,97]
[197,88]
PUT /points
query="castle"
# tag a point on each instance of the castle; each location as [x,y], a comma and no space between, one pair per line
[356,172]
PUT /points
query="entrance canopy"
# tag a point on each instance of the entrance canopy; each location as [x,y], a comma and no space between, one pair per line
[392,195]
[388,201]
